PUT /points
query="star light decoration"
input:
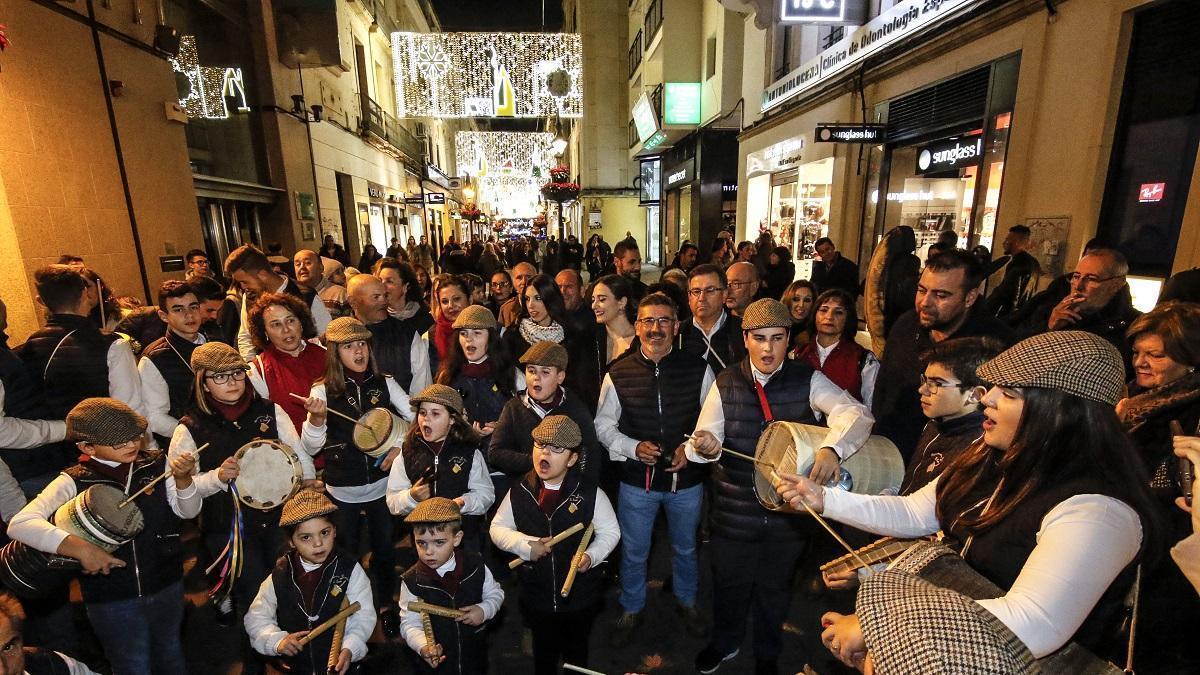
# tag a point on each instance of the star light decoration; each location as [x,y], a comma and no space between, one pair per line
[508,167]
[207,86]
[488,74]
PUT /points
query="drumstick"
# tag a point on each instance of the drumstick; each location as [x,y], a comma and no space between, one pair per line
[344,416]
[436,610]
[550,544]
[581,669]
[427,627]
[577,559]
[150,486]
[333,621]
[339,633]
[739,455]
[825,524]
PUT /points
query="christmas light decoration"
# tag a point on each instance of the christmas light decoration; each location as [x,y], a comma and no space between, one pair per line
[507,166]
[488,74]
[208,87]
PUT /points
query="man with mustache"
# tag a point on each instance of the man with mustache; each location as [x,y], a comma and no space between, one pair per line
[649,403]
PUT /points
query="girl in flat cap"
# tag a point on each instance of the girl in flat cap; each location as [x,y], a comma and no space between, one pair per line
[480,368]
[1050,505]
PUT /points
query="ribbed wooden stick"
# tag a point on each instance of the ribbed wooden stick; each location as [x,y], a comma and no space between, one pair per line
[576,559]
[339,634]
[550,544]
[427,626]
[333,621]
[436,610]
[150,486]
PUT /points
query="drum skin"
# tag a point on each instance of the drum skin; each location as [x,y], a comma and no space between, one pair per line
[386,431]
[269,473]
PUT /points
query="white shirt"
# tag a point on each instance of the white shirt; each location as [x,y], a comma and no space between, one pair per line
[32,525]
[245,344]
[305,445]
[265,633]
[12,498]
[870,371]
[157,395]
[1082,545]
[410,622]
[849,421]
[608,417]
[478,498]
[605,536]
[73,667]
[359,494]
[419,357]
[708,336]
[124,383]
[19,434]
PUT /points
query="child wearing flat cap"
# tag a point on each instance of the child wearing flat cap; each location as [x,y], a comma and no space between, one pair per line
[311,583]
[552,498]
[449,576]
[134,595]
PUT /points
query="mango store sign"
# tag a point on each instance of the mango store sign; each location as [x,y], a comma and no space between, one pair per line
[901,21]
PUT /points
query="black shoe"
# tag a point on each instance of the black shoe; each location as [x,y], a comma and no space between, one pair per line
[766,667]
[623,629]
[693,621]
[710,659]
[226,613]
[389,620]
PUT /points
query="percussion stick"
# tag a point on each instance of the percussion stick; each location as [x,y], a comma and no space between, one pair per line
[427,627]
[339,633]
[150,486]
[344,416]
[739,455]
[550,544]
[333,621]
[436,610]
[581,669]
[825,524]
[576,560]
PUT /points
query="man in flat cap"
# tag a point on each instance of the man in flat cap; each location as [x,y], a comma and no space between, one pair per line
[754,551]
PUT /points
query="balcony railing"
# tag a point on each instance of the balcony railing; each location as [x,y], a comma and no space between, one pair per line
[635,54]
[378,123]
[653,21]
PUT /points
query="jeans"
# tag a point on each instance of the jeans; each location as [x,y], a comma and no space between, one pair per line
[349,520]
[142,635]
[636,511]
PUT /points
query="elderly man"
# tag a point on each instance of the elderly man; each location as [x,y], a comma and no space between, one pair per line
[570,284]
[249,268]
[713,333]
[521,274]
[743,286]
[396,344]
[755,551]
[310,274]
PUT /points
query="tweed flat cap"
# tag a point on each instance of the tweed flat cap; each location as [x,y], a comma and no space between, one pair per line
[304,505]
[476,316]
[435,510]
[440,394]
[346,329]
[545,353]
[217,357]
[104,421]
[1078,363]
[558,430]
[766,313]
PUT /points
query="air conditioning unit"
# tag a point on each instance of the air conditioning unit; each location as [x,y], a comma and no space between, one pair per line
[421,130]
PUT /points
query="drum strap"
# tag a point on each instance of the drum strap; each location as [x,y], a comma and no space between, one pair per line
[762,402]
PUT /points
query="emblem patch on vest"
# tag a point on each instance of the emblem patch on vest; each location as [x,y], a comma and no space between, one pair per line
[573,503]
[264,423]
[375,396]
[457,464]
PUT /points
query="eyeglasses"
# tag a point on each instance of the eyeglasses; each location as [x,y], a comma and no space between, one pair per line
[651,322]
[934,385]
[711,290]
[1091,279]
[500,284]
[554,449]
[222,378]
[738,285]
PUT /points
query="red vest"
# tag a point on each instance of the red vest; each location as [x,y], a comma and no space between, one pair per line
[843,366]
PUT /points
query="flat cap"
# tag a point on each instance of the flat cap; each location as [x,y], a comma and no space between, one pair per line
[558,430]
[435,510]
[440,394]
[476,316]
[304,505]
[545,353]
[104,421]
[1078,363]
[217,357]
[346,329]
[766,313]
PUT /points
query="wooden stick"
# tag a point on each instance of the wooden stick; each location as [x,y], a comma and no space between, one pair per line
[344,416]
[577,559]
[825,524]
[150,486]
[436,610]
[739,455]
[339,634]
[333,621]
[581,669]
[427,627]
[550,544]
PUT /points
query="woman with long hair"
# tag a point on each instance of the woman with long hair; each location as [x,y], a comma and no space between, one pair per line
[453,295]
[542,317]
[370,255]
[780,270]
[832,349]
[612,303]
[480,368]
[1050,505]
[424,284]
[289,358]
[799,298]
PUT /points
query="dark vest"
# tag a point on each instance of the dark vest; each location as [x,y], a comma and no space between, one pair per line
[291,615]
[70,357]
[465,646]
[450,469]
[727,343]
[392,346]
[154,559]
[659,403]
[483,399]
[542,579]
[1000,552]
[23,400]
[225,438]
[171,355]
[345,464]
[736,512]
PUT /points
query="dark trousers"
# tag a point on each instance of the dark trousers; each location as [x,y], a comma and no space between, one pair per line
[559,637]
[262,544]
[752,575]
[382,571]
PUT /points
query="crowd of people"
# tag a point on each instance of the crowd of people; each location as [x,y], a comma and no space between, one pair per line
[427,432]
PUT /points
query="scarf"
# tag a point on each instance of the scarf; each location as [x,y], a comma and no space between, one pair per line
[1145,404]
[481,370]
[449,583]
[231,411]
[443,335]
[549,499]
[286,374]
[534,333]
[410,310]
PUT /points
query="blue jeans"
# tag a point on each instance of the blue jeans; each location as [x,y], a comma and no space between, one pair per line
[636,510]
[142,635]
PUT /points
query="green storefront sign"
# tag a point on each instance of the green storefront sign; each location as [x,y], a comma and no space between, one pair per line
[681,103]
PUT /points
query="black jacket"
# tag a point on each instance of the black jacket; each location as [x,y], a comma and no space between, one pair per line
[23,400]
[511,447]
[940,444]
[391,343]
[69,357]
[728,345]
[843,274]
[292,615]
[345,464]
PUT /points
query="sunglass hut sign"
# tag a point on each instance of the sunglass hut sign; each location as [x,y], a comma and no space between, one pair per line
[949,155]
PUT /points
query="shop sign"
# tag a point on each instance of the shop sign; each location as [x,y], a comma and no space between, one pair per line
[437,176]
[1151,192]
[435,198]
[680,175]
[774,158]
[418,200]
[651,175]
[947,155]
[681,103]
[849,133]
[644,118]
[822,11]
[903,20]
[374,191]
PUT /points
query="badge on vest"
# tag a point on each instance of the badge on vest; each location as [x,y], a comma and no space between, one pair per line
[375,396]
[264,424]
[573,503]
[457,464]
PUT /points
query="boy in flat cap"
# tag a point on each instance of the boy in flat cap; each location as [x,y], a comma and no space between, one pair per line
[552,498]
[311,583]
[134,595]
[754,552]
[449,576]
[511,446]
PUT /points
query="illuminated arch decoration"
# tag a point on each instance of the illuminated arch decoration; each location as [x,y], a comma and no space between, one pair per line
[488,74]
[508,167]
[208,88]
